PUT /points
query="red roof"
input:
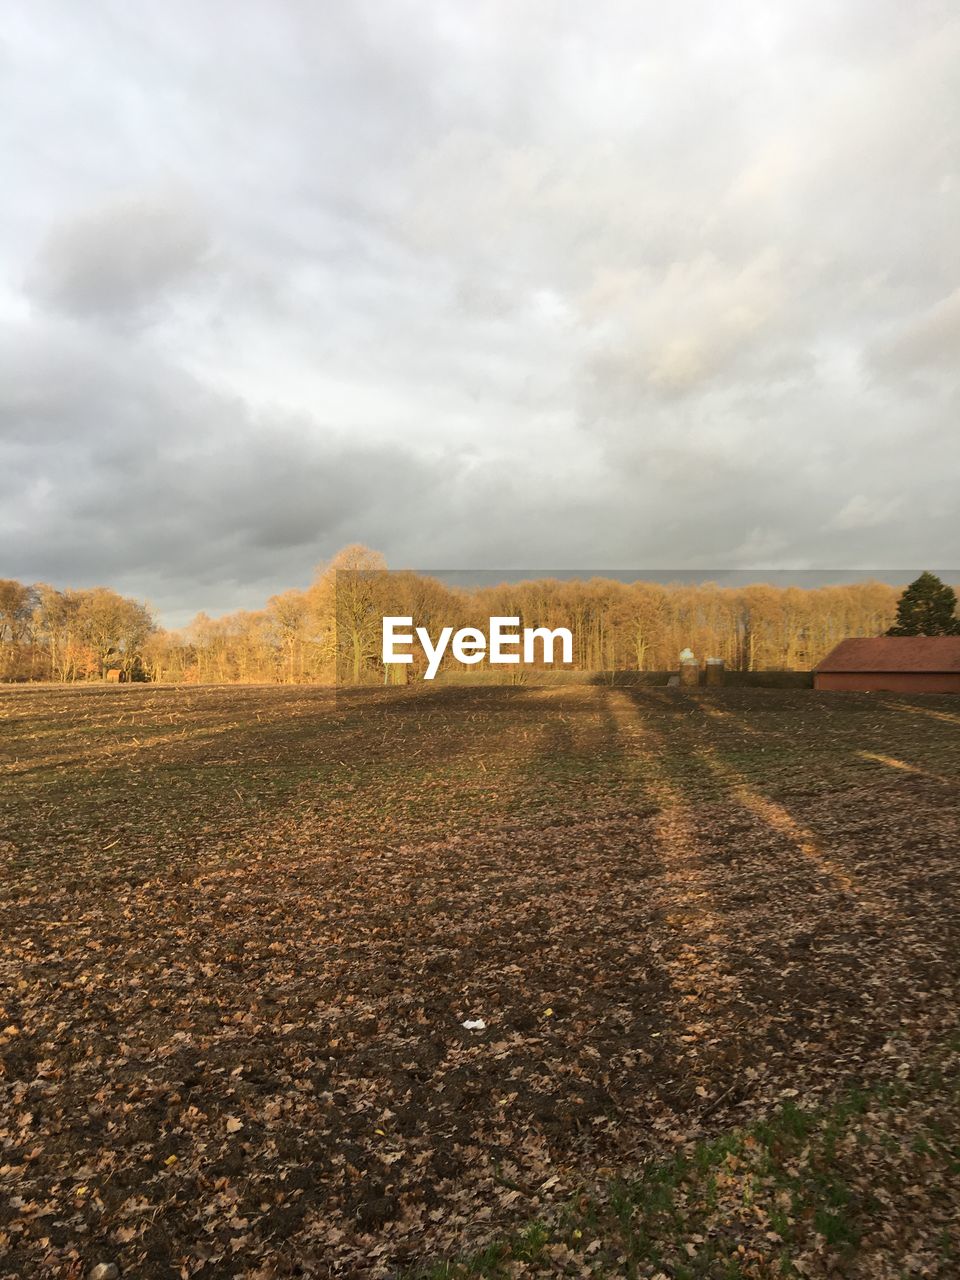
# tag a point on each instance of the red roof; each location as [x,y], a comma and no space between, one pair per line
[894,653]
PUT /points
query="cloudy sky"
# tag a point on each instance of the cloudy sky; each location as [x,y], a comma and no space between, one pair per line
[485,285]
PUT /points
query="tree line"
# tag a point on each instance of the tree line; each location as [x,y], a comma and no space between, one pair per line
[332,629]
[46,634]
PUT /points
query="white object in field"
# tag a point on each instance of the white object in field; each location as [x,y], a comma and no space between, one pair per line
[686,655]
[474,1024]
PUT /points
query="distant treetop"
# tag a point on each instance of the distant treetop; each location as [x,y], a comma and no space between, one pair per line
[927,608]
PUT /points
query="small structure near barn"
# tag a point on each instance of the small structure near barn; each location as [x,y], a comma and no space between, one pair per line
[715,669]
[114,676]
[689,669]
[895,664]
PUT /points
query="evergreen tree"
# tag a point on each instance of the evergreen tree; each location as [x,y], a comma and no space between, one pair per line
[926,608]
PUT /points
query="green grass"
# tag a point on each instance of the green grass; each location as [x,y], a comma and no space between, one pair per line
[751,1201]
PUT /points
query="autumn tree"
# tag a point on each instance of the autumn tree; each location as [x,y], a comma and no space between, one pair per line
[16,608]
[168,657]
[58,631]
[292,629]
[345,601]
[114,627]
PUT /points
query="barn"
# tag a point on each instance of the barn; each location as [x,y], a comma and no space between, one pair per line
[898,664]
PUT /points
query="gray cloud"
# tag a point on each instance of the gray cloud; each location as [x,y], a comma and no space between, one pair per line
[630,287]
[119,259]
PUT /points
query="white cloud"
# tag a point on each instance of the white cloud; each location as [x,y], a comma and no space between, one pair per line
[929,341]
[861,512]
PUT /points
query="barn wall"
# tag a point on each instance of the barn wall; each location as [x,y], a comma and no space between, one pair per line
[889,681]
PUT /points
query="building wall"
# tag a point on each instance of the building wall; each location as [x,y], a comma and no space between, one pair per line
[889,681]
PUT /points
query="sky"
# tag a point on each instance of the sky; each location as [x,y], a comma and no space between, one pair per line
[628,285]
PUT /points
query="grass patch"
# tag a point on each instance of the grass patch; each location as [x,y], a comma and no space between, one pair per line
[799,1194]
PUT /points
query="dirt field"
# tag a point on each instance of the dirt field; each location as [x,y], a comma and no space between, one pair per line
[242,928]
